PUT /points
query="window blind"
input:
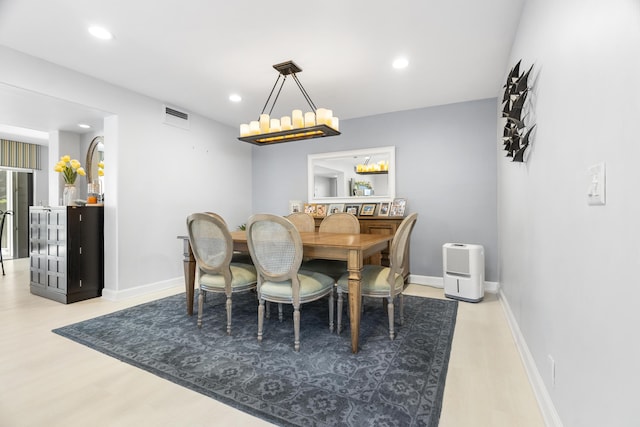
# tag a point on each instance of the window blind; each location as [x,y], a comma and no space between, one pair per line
[16,154]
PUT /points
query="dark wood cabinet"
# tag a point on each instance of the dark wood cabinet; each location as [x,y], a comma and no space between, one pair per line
[66,252]
[378,225]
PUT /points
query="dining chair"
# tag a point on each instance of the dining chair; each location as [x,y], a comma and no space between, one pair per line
[2,221]
[341,222]
[276,249]
[212,248]
[384,282]
[302,221]
[238,256]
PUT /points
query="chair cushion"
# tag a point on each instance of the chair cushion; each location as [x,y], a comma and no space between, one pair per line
[241,276]
[373,280]
[330,267]
[312,284]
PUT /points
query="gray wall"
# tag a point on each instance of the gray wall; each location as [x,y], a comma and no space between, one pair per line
[570,271]
[446,168]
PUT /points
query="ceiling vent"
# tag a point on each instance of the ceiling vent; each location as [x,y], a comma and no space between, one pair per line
[174,117]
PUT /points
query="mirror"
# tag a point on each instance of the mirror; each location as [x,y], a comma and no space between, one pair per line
[95,154]
[357,176]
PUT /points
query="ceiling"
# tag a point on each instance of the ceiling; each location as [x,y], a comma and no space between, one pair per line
[192,54]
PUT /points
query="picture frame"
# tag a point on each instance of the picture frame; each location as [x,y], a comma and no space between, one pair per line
[310,208]
[352,209]
[384,209]
[398,207]
[368,209]
[321,210]
[335,208]
[295,206]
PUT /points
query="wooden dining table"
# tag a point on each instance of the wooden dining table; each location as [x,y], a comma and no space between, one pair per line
[352,248]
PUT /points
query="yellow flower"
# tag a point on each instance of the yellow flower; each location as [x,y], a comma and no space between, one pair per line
[101,164]
[69,168]
[100,172]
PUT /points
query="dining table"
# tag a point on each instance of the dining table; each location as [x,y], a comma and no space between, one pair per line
[352,248]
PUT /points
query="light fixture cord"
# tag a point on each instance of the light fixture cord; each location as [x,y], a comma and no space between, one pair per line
[277,95]
[302,89]
[271,93]
[304,93]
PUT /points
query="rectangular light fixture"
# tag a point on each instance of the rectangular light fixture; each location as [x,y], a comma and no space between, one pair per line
[317,123]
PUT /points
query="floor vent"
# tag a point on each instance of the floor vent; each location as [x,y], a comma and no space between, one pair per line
[174,117]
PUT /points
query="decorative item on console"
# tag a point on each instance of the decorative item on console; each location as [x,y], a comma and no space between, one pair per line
[517,134]
[70,169]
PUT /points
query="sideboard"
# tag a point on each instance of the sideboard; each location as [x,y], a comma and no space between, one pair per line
[378,225]
[66,252]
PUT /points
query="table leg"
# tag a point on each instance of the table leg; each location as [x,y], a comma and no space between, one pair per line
[189,274]
[354,265]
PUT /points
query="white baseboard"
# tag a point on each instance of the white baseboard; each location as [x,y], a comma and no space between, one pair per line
[438,282]
[549,413]
[116,295]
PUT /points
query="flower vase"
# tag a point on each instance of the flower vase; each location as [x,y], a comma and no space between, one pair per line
[70,194]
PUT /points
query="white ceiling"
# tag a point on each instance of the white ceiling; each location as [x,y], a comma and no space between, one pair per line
[193,54]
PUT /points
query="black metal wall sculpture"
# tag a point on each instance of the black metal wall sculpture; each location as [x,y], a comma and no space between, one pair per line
[516,136]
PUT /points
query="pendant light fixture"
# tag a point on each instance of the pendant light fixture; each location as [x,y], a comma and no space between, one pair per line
[317,123]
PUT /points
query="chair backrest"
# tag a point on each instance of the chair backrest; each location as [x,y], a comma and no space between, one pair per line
[341,222]
[275,247]
[4,215]
[400,247]
[211,243]
[302,221]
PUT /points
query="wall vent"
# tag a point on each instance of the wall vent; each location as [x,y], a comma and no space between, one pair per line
[174,117]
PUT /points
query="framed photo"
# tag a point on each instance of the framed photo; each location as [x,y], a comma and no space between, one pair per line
[321,210]
[398,207]
[384,209]
[335,208]
[352,209]
[368,209]
[295,206]
[310,208]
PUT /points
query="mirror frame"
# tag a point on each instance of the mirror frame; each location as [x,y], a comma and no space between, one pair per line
[391,176]
[93,147]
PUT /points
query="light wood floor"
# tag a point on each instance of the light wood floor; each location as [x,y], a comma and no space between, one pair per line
[48,380]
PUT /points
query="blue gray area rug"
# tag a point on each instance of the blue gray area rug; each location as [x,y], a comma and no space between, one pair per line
[388,383]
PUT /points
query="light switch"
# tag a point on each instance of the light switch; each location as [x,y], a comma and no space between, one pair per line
[596,186]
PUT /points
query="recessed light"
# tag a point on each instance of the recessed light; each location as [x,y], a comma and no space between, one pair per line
[400,63]
[84,126]
[235,98]
[101,33]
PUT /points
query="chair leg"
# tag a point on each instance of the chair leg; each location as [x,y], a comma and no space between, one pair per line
[229,315]
[296,328]
[280,316]
[200,301]
[331,307]
[268,310]
[401,309]
[260,319]
[390,311]
[339,309]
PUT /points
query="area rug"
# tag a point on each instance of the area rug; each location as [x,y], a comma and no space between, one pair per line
[387,383]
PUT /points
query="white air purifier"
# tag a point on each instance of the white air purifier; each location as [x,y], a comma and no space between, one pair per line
[463,268]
